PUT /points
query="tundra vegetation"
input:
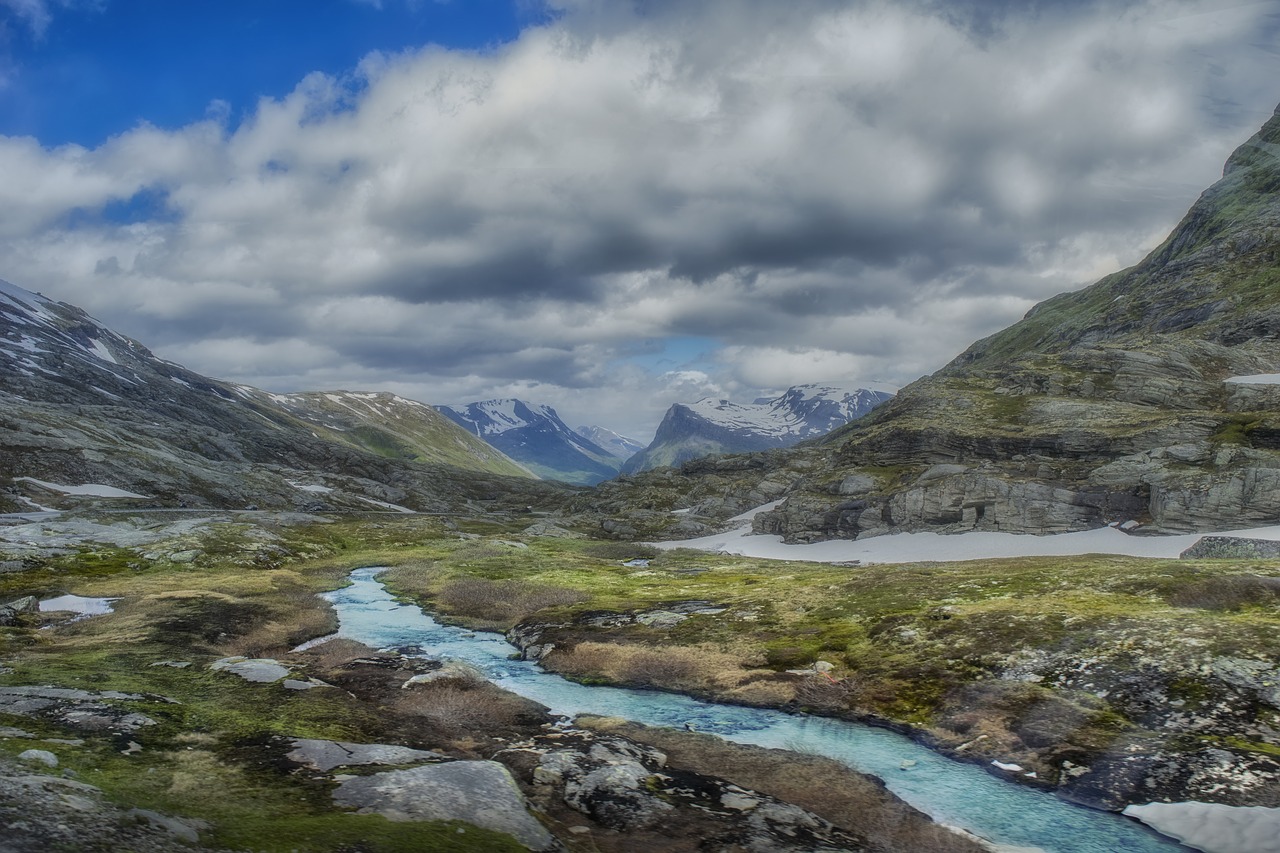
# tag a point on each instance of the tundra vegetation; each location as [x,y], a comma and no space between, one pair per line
[214,748]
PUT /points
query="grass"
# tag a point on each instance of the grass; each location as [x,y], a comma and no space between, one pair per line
[931,645]
[207,758]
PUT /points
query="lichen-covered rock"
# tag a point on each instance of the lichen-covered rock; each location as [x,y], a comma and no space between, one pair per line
[325,755]
[481,793]
[1232,548]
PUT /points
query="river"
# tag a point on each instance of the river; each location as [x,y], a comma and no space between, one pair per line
[952,792]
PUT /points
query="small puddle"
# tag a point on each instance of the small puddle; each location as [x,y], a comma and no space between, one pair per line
[78,604]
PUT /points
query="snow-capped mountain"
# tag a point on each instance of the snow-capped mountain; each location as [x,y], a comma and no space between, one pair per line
[534,436]
[619,445]
[89,412]
[690,430]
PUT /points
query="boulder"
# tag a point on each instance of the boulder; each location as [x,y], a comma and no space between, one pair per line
[324,755]
[1232,548]
[481,793]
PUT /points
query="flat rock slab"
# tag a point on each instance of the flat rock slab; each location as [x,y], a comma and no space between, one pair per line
[82,709]
[325,755]
[260,670]
[481,793]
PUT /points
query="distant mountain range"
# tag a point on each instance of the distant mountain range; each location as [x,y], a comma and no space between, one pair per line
[620,446]
[709,426]
[534,436]
[81,404]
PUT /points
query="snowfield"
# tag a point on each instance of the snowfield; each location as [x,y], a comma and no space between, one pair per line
[940,547]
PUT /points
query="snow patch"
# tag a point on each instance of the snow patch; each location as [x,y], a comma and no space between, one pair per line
[920,547]
[95,490]
[752,513]
[1256,379]
[1213,827]
[100,350]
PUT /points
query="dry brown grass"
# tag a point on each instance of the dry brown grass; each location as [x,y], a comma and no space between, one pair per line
[502,603]
[697,668]
[459,705]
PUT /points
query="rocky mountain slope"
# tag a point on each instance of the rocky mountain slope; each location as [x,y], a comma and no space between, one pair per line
[534,436]
[82,404]
[390,425]
[712,426]
[619,445]
[1108,405]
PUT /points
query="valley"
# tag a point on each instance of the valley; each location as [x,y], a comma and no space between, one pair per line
[1023,563]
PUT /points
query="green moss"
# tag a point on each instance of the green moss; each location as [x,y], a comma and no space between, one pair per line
[1235,431]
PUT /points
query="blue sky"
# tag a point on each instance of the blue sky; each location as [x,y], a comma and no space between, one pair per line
[93,70]
[602,205]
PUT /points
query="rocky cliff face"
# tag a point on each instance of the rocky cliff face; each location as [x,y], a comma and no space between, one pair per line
[1106,405]
[81,404]
[712,426]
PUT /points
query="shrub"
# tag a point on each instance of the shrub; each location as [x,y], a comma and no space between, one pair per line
[1228,592]
[503,602]
[621,551]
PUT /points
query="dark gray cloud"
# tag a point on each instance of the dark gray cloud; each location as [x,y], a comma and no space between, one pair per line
[828,190]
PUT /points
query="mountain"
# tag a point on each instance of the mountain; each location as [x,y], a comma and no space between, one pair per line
[712,426]
[91,412]
[534,436]
[394,427]
[1116,404]
[620,446]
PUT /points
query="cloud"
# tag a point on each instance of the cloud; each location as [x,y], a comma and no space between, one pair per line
[853,188]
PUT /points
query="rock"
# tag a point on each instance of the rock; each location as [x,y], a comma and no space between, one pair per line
[855,484]
[11,612]
[481,793]
[26,604]
[184,829]
[448,670]
[38,756]
[1232,548]
[546,528]
[310,684]
[81,709]
[610,782]
[260,670]
[324,755]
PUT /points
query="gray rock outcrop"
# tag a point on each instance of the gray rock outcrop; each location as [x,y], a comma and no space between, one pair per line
[481,793]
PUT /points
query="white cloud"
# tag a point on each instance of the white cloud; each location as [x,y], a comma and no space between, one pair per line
[853,189]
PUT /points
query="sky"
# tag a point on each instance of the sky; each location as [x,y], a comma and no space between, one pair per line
[603,205]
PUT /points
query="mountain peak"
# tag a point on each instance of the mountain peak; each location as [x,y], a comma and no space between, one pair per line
[1214,278]
[713,425]
[535,436]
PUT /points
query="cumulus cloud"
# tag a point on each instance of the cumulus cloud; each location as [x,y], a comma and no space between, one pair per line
[848,191]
